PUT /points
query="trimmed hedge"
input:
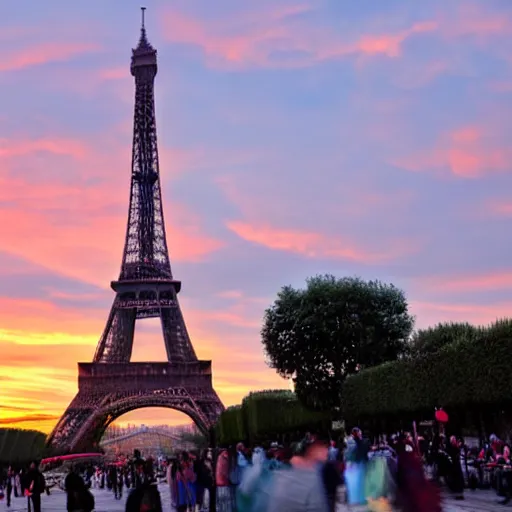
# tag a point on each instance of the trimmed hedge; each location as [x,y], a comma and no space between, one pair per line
[266,413]
[277,412]
[21,446]
[474,371]
[230,427]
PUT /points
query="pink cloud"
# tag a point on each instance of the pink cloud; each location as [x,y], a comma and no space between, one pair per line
[390,44]
[87,241]
[118,73]
[500,208]
[265,198]
[69,147]
[468,152]
[472,19]
[467,283]
[313,245]
[429,313]
[231,294]
[254,38]
[44,53]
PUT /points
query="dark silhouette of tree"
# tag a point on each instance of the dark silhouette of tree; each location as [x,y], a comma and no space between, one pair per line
[433,339]
[333,328]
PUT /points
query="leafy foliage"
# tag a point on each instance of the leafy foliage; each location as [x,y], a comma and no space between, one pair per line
[469,371]
[264,414]
[271,412]
[427,341]
[21,446]
[332,328]
[230,426]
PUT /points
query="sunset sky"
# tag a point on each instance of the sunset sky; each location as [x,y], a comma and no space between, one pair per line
[296,137]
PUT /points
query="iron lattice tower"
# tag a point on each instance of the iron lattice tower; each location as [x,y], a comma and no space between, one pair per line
[145,287]
[112,385]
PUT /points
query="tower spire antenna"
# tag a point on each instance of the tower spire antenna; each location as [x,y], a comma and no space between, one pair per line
[142,12]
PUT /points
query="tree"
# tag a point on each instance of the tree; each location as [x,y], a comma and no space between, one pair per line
[428,341]
[334,327]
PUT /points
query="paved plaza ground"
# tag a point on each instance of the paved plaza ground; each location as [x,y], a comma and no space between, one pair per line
[477,501]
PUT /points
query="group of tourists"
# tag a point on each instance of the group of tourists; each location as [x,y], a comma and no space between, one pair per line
[313,475]
[28,484]
[309,476]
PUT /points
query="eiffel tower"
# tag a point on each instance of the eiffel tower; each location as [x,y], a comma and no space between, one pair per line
[111,385]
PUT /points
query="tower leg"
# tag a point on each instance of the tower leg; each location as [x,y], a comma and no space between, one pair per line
[176,339]
[116,342]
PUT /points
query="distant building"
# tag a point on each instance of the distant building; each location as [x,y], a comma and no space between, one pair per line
[152,441]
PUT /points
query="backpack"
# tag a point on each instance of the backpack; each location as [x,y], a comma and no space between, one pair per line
[39,483]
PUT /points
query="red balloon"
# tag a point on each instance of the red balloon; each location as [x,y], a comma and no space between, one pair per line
[441,416]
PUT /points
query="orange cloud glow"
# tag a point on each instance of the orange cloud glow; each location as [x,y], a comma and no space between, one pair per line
[40,315]
[43,54]
[27,380]
[310,244]
[32,418]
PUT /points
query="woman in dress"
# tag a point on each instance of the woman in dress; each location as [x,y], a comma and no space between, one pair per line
[185,483]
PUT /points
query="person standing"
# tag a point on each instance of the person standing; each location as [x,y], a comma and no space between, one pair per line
[35,486]
[224,496]
[114,481]
[356,458]
[204,481]
[120,482]
[185,479]
[10,484]
[455,478]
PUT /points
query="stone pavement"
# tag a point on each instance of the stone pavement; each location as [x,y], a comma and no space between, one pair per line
[478,501]
[56,502]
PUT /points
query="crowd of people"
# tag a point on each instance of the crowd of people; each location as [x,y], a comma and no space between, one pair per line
[313,475]
[308,476]
[28,483]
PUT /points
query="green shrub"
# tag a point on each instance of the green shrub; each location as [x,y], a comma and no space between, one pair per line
[230,426]
[263,414]
[469,372]
[276,412]
[433,339]
[21,446]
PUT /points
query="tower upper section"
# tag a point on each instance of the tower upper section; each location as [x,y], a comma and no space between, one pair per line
[144,56]
[145,254]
